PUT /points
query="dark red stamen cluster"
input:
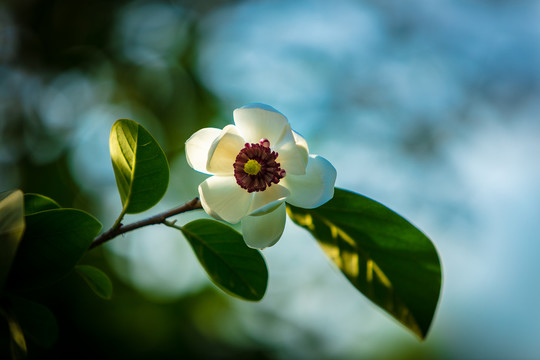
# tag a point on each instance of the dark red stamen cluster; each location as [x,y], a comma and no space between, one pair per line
[270,172]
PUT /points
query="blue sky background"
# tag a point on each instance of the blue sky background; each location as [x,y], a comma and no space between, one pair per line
[430,108]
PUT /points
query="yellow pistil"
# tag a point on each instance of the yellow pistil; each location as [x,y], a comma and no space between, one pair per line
[252,167]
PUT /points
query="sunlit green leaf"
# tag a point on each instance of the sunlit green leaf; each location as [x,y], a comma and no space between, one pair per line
[11,230]
[36,321]
[384,256]
[221,250]
[140,166]
[53,243]
[34,203]
[97,280]
[17,341]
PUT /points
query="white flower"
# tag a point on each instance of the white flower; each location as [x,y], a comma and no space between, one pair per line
[258,164]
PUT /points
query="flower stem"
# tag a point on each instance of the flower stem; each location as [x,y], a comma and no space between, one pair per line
[161,218]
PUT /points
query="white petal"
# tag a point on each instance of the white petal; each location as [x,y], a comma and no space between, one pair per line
[265,230]
[222,198]
[290,156]
[259,121]
[302,146]
[198,146]
[315,187]
[268,200]
[224,150]
[260,106]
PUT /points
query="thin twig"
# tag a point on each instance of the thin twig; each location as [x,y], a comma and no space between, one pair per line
[156,219]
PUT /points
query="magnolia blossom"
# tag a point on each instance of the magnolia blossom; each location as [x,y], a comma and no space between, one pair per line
[258,164]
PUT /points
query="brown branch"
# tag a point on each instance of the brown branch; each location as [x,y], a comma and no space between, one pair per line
[156,219]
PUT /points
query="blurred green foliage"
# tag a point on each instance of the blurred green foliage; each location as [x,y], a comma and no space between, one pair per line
[55,38]
[52,39]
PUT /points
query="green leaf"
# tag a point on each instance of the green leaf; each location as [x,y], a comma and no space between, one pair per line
[97,280]
[384,256]
[11,230]
[36,321]
[232,266]
[53,243]
[140,166]
[34,203]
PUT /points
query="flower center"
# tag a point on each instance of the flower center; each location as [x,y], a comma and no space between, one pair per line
[252,167]
[255,167]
